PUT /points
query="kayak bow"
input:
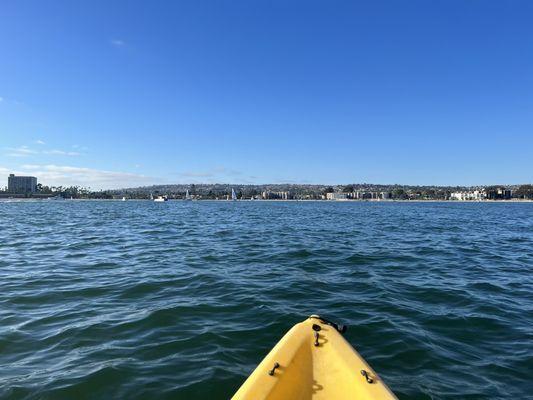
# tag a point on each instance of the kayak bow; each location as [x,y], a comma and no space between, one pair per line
[313,361]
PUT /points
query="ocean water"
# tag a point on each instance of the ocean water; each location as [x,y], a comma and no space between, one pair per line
[181,300]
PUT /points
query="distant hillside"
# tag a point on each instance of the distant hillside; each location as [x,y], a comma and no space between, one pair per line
[222,188]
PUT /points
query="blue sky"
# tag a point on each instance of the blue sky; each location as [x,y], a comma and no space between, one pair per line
[122,93]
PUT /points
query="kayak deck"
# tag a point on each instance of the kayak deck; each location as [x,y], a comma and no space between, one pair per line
[313,361]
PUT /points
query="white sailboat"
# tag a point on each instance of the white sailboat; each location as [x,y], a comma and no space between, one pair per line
[233,195]
[187,196]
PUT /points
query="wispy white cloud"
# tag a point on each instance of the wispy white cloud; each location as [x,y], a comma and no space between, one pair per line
[9,101]
[117,42]
[64,175]
[4,172]
[62,152]
[21,151]
[25,151]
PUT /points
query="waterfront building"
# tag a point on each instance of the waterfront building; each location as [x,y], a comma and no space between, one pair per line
[475,195]
[456,196]
[336,196]
[21,184]
[269,195]
[360,195]
[499,193]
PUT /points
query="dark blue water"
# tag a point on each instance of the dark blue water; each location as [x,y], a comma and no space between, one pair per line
[181,300]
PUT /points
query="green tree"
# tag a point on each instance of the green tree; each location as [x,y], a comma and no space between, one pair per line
[399,194]
[525,192]
[348,189]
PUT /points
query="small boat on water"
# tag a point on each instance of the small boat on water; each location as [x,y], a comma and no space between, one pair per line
[187,196]
[314,361]
[123,199]
[233,195]
[160,199]
[58,197]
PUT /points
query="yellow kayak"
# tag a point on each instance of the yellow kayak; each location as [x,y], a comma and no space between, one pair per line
[313,361]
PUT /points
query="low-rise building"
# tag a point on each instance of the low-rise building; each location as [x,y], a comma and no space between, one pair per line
[336,196]
[499,193]
[269,195]
[475,195]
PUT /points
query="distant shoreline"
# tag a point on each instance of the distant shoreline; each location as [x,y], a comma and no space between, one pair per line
[37,199]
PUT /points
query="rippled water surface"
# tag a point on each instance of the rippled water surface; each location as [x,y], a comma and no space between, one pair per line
[181,300]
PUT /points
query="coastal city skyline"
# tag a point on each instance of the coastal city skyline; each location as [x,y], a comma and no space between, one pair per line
[408,93]
[80,177]
[28,187]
